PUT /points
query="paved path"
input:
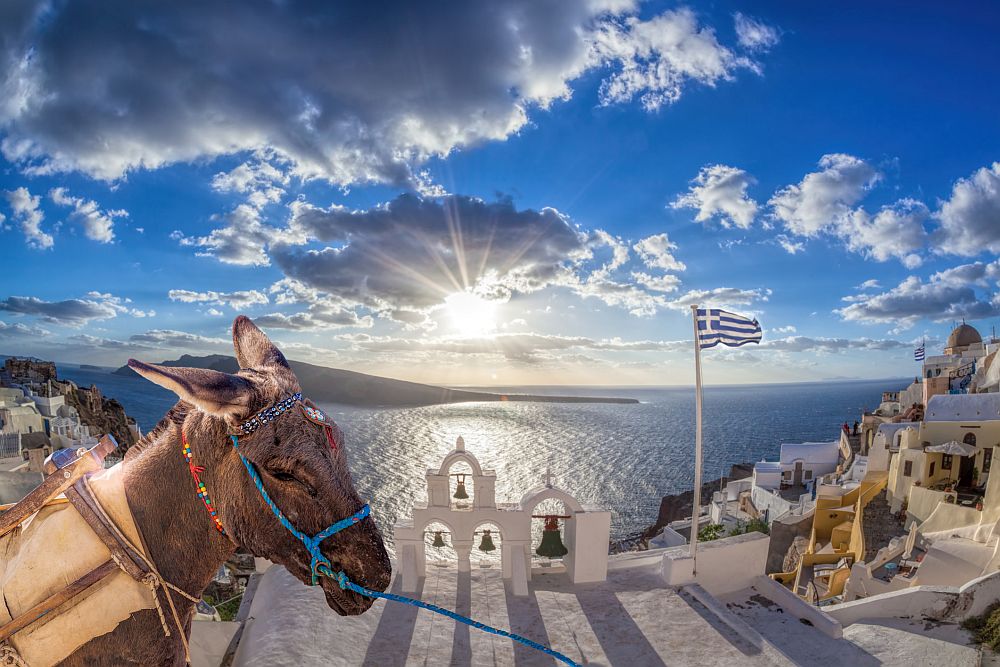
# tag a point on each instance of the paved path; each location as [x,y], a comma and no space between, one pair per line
[630,620]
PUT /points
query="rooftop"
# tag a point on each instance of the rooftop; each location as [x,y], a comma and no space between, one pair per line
[963,407]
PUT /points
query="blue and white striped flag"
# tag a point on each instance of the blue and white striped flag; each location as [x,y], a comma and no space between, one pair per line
[918,354]
[719,326]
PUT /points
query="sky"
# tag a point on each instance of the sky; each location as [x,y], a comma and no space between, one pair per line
[504,193]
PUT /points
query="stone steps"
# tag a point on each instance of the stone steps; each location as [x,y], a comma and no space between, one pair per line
[880,525]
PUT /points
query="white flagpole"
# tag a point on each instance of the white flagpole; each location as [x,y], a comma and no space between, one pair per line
[696,506]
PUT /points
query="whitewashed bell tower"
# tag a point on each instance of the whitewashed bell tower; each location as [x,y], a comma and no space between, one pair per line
[587,529]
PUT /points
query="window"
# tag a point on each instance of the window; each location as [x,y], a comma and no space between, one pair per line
[970,439]
[946,462]
[907,468]
[786,475]
[987,459]
[931,473]
[809,474]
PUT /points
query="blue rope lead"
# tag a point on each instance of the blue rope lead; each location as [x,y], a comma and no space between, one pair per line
[344,582]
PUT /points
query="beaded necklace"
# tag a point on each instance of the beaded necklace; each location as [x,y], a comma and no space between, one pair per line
[202,491]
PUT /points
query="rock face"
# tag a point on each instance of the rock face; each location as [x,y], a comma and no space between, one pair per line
[679,505]
[102,415]
[795,553]
[785,534]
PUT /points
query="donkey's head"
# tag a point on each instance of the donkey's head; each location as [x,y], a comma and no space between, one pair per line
[302,468]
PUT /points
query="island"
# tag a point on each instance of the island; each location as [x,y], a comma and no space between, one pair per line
[334,385]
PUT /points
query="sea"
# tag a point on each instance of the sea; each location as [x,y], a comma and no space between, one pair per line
[622,457]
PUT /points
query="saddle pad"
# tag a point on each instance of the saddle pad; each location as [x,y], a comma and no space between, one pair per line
[52,549]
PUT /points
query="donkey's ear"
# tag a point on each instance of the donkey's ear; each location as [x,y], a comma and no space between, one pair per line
[253,348]
[216,393]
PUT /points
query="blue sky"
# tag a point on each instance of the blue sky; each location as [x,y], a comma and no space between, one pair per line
[520,193]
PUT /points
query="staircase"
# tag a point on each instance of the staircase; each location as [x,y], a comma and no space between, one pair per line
[879,526]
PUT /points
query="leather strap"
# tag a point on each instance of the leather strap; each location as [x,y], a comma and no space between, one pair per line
[93,577]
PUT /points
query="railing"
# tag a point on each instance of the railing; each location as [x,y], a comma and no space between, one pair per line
[10,445]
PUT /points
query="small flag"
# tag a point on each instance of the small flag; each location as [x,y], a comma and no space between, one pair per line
[918,354]
[719,326]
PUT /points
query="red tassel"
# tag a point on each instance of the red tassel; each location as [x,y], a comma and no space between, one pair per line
[329,438]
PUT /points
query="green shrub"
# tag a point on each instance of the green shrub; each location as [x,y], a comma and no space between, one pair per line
[712,531]
[228,609]
[985,629]
[751,526]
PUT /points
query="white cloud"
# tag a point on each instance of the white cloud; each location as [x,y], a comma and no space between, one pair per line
[896,231]
[946,296]
[809,344]
[97,225]
[22,330]
[970,218]
[236,300]
[783,330]
[523,347]
[72,312]
[720,297]
[871,283]
[241,241]
[26,211]
[352,101]
[657,58]
[753,34]
[790,246]
[824,198]
[657,253]
[720,191]
[259,179]
[664,283]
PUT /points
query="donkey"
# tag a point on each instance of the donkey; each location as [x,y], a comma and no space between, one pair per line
[300,468]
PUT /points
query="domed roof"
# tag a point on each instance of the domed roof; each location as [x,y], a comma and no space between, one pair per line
[963,336]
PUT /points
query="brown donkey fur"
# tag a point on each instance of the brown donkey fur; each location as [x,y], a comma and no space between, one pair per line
[308,480]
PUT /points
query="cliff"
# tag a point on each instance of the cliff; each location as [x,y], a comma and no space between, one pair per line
[335,385]
[103,415]
[679,505]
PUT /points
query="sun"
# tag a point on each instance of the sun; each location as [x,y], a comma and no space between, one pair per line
[470,314]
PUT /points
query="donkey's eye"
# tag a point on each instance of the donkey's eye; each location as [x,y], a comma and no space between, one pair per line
[282,476]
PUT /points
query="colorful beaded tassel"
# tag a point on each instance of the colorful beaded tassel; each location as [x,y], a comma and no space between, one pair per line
[202,491]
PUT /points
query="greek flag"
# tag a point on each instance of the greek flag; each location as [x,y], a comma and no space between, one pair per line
[918,354]
[719,326]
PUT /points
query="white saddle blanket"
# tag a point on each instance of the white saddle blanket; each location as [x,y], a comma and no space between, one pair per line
[50,550]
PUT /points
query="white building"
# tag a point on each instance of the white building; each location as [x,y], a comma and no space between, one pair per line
[798,464]
[18,413]
[586,528]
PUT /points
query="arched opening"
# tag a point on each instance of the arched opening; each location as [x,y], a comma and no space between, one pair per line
[487,543]
[548,531]
[970,439]
[439,544]
[461,485]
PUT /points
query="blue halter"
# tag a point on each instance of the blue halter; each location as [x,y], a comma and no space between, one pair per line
[321,566]
[310,543]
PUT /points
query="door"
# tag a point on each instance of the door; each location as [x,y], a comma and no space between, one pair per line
[797,477]
[965,470]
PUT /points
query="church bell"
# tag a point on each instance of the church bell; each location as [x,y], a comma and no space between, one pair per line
[487,542]
[552,545]
[460,492]
[438,539]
